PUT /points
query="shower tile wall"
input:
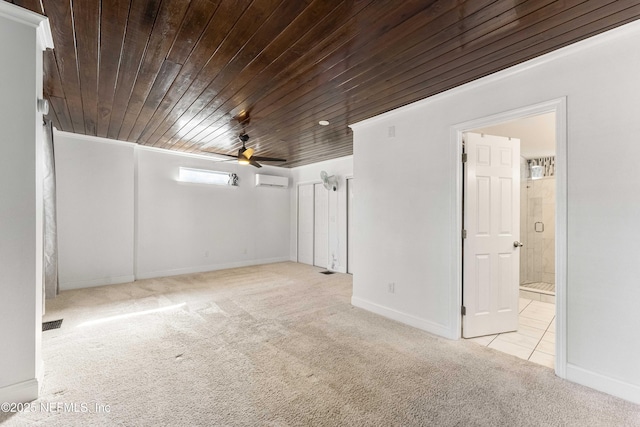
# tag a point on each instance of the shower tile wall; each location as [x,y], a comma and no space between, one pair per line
[538,257]
[524,182]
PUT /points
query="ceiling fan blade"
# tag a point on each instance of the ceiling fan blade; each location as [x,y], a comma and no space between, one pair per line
[268,159]
[245,156]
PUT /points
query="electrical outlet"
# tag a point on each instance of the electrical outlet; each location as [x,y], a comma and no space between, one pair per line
[391,131]
[391,288]
[206,254]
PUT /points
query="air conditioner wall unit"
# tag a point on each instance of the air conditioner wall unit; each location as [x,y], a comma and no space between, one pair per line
[271,181]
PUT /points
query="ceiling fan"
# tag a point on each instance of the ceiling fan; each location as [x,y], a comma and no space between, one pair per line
[245,155]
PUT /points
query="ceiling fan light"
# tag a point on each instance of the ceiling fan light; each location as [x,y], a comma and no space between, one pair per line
[243,160]
[248,153]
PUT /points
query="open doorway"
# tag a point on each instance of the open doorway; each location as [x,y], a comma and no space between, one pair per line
[537,244]
[530,333]
[537,202]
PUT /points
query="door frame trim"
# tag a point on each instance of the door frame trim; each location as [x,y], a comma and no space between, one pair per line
[559,107]
[349,243]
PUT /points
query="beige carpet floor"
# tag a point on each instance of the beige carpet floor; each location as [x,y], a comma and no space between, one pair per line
[280,345]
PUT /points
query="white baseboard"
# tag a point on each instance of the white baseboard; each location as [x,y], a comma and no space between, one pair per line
[40,373]
[409,319]
[65,286]
[603,383]
[22,392]
[204,268]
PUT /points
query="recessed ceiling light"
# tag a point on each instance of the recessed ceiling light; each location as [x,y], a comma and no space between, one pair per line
[323,123]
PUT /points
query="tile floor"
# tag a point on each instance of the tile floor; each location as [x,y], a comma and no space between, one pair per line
[537,296]
[535,339]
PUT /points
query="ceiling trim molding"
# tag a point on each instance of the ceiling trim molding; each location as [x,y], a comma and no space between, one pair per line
[138,147]
[320,163]
[211,158]
[632,28]
[44,34]
[182,153]
[32,19]
[92,138]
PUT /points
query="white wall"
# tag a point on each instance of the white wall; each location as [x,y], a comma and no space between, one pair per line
[184,227]
[122,214]
[405,212]
[95,200]
[22,39]
[342,168]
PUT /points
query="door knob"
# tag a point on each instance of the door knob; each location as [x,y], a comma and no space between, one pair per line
[517,244]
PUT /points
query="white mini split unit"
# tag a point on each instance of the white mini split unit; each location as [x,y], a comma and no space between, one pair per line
[271,181]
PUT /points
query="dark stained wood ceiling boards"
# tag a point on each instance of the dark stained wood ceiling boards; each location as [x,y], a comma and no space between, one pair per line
[176,74]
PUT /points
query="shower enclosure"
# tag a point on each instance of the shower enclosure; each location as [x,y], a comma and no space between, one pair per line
[537,225]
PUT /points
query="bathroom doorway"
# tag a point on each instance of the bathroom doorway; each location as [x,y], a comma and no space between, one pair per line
[537,202]
[533,337]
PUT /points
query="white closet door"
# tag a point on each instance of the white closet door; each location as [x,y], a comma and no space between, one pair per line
[321,227]
[350,224]
[305,224]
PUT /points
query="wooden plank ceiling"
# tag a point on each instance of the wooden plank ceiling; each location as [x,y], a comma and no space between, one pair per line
[176,74]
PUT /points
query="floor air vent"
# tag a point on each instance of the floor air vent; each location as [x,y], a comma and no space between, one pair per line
[54,324]
[327,272]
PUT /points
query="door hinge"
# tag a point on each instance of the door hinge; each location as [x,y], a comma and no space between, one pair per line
[464,157]
[464,234]
[464,310]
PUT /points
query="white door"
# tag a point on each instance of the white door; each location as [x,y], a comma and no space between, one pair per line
[305,224]
[492,223]
[350,225]
[321,227]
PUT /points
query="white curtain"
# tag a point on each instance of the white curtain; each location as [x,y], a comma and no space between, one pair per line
[50,288]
